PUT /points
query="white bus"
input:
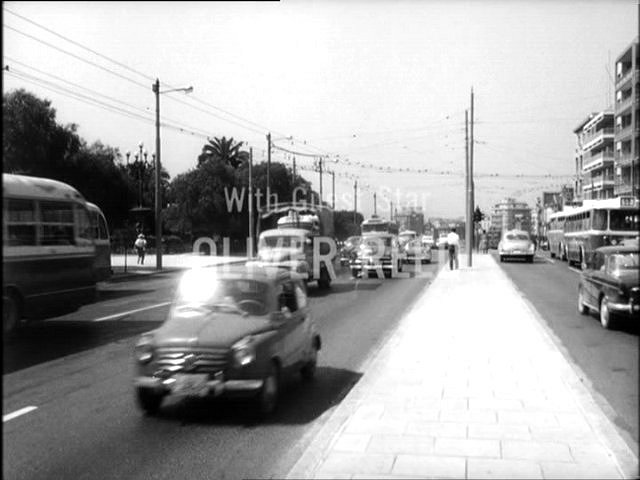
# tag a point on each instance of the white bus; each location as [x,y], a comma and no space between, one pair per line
[598,223]
[375,224]
[48,250]
[102,241]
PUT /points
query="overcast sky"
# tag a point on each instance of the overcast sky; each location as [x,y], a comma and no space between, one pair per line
[374,84]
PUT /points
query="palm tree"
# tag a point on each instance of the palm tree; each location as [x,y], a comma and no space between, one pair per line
[223,149]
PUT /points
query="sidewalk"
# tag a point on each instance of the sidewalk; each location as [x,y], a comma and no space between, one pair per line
[470,385]
[169,262]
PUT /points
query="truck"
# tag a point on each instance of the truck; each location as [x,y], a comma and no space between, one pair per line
[290,234]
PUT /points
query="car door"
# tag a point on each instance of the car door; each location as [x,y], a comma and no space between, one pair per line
[596,279]
[292,324]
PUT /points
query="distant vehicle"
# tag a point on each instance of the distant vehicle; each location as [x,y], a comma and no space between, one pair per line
[417,251]
[406,236]
[48,250]
[442,240]
[576,232]
[229,333]
[375,224]
[516,244]
[377,253]
[348,250]
[102,241]
[544,243]
[428,240]
[610,284]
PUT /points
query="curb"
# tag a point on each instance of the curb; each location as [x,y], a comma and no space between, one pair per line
[122,276]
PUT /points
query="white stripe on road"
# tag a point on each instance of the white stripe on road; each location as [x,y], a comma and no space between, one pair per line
[124,314]
[17,413]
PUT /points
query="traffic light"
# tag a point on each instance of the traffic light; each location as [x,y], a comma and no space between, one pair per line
[478,216]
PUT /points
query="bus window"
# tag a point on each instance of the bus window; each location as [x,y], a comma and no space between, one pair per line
[21,223]
[103,231]
[624,220]
[599,220]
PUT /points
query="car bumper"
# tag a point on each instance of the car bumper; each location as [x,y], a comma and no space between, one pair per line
[516,253]
[631,309]
[216,387]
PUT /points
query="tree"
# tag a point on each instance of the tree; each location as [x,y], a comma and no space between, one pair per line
[478,216]
[226,150]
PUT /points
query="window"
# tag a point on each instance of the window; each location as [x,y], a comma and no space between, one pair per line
[21,223]
[57,223]
[287,297]
[86,230]
[599,220]
[625,220]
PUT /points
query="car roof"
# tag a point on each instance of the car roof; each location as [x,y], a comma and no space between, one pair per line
[285,232]
[516,232]
[617,249]
[366,235]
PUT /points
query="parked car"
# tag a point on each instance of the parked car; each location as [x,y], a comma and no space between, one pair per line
[516,244]
[417,251]
[231,332]
[609,284]
[428,239]
[348,249]
[377,253]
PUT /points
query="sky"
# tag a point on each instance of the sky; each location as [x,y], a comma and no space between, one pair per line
[378,89]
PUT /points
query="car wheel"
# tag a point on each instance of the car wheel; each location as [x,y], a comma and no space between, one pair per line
[268,397]
[148,400]
[530,259]
[582,308]
[354,272]
[308,372]
[10,314]
[502,258]
[324,282]
[605,315]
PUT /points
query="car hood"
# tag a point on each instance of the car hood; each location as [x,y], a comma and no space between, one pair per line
[210,329]
[280,254]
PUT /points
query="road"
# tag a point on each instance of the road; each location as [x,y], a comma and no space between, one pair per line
[608,359]
[78,373]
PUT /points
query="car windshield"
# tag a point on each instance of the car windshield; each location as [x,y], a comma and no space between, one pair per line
[376,242]
[517,236]
[624,261]
[282,241]
[239,295]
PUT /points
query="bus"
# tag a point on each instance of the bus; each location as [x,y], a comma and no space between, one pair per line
[48,250]
[555,235]
[375,224]
[598,223]
[102,241]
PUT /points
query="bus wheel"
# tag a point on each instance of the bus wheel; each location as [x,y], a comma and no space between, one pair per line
[10,314]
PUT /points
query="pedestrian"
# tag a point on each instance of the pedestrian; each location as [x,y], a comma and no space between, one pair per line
[453,244]
[140,245]
[484,243]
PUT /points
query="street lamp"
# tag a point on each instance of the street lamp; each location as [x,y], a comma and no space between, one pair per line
[158,191]
[139,165]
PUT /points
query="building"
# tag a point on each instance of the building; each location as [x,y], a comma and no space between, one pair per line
[594,157]
[411,218]
[507,215]
[627,122]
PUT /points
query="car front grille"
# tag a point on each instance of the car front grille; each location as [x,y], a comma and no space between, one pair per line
[200,360]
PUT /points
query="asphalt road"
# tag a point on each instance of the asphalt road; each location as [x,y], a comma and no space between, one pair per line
[607,358]
[78,373]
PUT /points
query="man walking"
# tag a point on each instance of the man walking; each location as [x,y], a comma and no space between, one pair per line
[453,244]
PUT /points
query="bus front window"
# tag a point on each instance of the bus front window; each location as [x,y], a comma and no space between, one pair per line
[624,220]
[599,220]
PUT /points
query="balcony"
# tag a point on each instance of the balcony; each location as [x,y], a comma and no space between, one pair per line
[623,187]
[624,131]
[626,76]
[596,161]
[626,158]
[598,182]
[599,136]
[624,103]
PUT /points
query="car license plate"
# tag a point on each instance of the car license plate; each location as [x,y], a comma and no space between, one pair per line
[194,384]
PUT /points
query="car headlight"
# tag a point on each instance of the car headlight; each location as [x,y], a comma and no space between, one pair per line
[244,352]
[144,349]
[532,247]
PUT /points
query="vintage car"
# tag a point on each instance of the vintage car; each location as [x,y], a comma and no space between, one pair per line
[417,251]
[378,253]
[516,244]
[609,284]
[349,249]
[230,332]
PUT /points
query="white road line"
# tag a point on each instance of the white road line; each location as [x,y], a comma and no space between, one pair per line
[124,314]
[17,413]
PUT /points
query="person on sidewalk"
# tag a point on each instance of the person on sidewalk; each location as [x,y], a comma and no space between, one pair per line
[453,244]
[140,245]
[484,242]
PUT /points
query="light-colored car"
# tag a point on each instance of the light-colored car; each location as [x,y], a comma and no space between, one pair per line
[516,244]
[378,252]
[231,332]
[417,251]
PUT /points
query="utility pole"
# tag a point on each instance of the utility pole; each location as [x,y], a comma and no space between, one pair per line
[320,169]
[250,246]
[158,190]
[355,200]
[469,212]
[472,195]
[268,168]
[294,170]
[333,190]
[375,211]
[391,211]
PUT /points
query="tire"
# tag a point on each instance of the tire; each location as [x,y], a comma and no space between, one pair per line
[149,401]
[582,308]
[267,398]
[501,258]
[11,314]
[606,319]
[354,273]
[552,255]
[308,372]
[530,259]
[324,282]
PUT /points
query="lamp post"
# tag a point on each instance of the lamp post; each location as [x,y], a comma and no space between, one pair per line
[139,165]
[158,191]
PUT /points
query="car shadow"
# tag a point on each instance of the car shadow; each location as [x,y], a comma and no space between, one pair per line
[113,294]
[45,341]
[299,403]
[344,287]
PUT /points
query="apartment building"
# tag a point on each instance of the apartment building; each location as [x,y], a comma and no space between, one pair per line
[594,159]
[410,218]
[627,122]
[506,215]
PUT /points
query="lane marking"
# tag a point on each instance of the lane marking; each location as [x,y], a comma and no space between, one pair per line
[17,413]
[124,314]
